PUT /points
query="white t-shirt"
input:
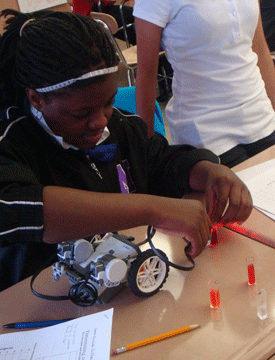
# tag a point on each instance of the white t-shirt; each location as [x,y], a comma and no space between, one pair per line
[219,98]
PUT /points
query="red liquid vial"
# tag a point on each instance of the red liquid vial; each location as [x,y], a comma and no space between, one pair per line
[214,294]
[214,237]
[251,271]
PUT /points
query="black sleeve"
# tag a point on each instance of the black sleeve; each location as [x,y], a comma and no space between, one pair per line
[170,166]
[21,203]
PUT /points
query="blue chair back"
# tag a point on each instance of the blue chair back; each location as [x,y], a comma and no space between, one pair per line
[125,99]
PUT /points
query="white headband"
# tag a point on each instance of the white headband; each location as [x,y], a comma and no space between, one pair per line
[22,27]
[82,77]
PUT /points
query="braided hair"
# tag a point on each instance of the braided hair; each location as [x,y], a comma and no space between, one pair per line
[51,48]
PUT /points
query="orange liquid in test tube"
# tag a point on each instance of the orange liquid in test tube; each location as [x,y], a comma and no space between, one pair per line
[214,237]
[251,271]
[214,294]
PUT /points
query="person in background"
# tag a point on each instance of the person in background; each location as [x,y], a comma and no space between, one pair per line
[268,17]
[224,79]
[72,166]
[84,7]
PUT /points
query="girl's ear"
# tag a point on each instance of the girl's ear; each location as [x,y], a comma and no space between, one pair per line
[35,98]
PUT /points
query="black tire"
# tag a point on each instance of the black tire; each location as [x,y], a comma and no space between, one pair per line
[148,273]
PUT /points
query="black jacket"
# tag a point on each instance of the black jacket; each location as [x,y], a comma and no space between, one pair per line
[30,159]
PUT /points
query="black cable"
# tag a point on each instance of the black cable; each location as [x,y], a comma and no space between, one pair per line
[150,233]
[37,272]
[82,293]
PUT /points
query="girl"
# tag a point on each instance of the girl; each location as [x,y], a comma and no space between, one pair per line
[72,166]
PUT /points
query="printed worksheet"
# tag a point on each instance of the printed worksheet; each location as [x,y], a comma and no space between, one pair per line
[85,338]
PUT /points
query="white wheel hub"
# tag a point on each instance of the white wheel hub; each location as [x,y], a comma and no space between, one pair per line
[150,274]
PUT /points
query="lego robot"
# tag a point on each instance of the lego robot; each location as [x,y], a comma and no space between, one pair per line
[97,270]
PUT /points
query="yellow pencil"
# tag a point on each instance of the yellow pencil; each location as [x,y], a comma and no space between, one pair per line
[154,339]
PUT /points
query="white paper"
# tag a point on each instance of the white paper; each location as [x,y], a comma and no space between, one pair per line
[34,5]
[85,338]
[249,173]
[260,180]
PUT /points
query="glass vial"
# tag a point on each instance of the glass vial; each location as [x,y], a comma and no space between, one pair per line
[262,304]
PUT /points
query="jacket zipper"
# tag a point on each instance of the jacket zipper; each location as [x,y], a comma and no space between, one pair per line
[96,170]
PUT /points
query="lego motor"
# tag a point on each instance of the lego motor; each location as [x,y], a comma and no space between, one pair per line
[97,270]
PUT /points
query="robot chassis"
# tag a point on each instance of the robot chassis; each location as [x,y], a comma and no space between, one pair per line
[98,269]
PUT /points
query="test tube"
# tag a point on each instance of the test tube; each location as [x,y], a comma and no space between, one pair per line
[214,237]
[214,294]
[250,270]
[262,304]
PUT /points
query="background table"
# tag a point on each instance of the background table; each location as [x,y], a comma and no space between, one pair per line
[231,332]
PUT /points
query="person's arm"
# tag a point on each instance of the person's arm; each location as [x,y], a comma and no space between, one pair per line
[148,44]
[31,212]
[72,214]
[227,198]
[180,169]
[265,61]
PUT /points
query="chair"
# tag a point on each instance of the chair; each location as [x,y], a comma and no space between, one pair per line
[128,56]
[124,25]
[125,99]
